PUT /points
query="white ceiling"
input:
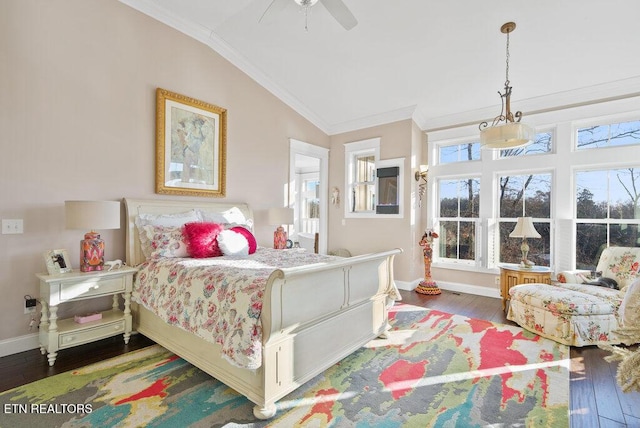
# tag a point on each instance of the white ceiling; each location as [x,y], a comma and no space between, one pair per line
[440,62]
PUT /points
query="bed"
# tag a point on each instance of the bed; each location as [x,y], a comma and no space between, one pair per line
[312,316]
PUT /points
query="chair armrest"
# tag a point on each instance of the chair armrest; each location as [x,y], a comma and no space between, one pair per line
[573,276]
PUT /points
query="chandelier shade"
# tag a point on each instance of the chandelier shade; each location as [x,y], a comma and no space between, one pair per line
[506,131]
[507,136]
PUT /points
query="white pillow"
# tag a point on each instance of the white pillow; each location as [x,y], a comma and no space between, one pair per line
[231,216]
[165,220]
[629,312]
[232,243]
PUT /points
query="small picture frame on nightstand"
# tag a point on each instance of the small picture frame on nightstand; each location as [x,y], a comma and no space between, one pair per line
[57,261]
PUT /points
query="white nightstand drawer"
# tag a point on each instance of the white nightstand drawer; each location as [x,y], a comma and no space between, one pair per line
[79,337]
[91,287]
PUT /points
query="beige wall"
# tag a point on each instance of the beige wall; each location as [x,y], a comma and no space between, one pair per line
[362,235]
[77,115]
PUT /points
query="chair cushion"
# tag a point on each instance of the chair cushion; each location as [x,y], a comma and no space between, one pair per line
[568,299]
[621,264]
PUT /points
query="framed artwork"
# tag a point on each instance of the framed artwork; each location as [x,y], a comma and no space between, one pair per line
[191,138]
[57,261]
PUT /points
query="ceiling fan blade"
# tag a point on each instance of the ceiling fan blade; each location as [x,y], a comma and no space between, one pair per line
[274,7]
[341,13]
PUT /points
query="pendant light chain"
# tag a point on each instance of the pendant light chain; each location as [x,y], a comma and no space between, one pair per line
[507,75]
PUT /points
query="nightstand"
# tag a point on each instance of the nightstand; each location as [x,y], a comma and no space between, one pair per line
[511,275]
[55,290]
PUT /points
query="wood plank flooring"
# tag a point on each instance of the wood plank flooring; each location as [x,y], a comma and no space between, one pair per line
[596,399]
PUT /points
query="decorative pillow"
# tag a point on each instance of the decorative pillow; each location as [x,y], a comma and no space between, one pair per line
[164,241]
[201,239]
[251,240]
[630,308]
[166,220]
[237,241]
[232,243]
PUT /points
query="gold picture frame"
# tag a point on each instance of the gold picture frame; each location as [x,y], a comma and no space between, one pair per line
[191,139]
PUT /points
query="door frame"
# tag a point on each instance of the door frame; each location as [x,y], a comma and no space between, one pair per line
[321,153]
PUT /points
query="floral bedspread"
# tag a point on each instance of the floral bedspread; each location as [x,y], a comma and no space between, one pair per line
[219,298]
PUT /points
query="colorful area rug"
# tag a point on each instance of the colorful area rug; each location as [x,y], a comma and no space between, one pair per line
[434,370]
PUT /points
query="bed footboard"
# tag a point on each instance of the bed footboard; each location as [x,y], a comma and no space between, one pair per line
[312,317]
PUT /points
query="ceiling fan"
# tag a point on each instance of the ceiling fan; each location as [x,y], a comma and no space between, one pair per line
[336,8]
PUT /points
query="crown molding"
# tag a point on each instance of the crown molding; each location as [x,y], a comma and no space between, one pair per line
[373,120]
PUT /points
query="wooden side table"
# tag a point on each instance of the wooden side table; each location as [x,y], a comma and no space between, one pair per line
[511,275]
[55,290]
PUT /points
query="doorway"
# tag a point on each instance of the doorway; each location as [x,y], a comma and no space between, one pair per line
[308,194]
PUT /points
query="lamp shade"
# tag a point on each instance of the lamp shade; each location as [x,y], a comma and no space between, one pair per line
[524,229]
[507,136]
[280,216]
[92,215]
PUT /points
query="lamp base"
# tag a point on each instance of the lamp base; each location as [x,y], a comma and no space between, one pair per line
[91,253]
[280,238]
[527,264]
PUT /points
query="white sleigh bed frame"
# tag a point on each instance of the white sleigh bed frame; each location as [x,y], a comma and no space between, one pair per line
[312,317]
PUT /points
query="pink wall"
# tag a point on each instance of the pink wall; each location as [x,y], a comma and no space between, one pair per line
[77,115]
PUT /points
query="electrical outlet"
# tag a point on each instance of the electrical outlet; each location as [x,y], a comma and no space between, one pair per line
[497,280]
[30,306]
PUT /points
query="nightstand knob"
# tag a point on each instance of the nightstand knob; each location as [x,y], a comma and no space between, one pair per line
[70,339]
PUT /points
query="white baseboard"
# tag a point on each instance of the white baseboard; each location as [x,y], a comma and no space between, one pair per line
[19,344]
[453,286]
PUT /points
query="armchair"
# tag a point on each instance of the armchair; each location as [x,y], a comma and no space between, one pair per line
[573,312]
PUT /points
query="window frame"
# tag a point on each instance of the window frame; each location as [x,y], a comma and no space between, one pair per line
[561,161]
[351,150]
[438,257]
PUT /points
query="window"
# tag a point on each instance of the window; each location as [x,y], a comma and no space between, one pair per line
[459,201]
[581,199]
[525,196]
[361,158]
[459,152]
[607,212]
[541,145]
[310,206]
[612,135]
[374,186]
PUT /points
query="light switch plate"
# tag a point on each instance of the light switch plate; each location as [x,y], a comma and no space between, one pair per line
[12,226]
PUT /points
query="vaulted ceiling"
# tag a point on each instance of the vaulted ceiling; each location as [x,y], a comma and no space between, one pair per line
[440,62]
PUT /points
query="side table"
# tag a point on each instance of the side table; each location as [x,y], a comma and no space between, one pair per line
[513,274]
[58,289]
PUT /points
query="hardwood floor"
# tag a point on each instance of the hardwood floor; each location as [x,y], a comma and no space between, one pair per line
[596,400]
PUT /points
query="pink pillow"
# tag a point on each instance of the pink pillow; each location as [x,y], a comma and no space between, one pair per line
[201,239]
[251,240]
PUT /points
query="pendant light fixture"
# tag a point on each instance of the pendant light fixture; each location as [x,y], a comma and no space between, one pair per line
[506,131]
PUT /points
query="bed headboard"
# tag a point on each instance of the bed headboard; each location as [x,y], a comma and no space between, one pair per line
[134,207]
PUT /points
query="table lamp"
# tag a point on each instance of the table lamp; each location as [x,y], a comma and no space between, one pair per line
[524,229]
[92,215]
[278,217]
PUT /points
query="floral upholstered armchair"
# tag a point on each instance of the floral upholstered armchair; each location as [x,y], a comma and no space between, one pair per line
[577,313]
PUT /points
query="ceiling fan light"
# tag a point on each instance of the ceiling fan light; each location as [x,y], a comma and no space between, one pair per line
[306,3]
[507,136]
